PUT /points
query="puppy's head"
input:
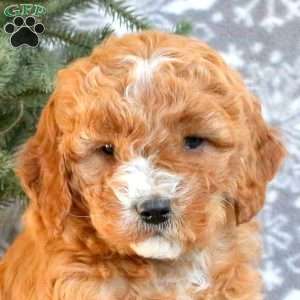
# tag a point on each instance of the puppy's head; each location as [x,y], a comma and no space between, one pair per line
[156,140]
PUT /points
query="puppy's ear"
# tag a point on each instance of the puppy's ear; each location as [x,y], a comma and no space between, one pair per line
[42,172]
[263,155]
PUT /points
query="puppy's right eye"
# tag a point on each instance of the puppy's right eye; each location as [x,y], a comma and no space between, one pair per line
[193,142]
[108,149]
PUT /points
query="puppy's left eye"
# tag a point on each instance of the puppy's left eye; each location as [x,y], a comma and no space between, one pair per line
[108,149]
[193,142]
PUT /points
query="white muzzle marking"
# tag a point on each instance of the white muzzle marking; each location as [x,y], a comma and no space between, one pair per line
[138,180]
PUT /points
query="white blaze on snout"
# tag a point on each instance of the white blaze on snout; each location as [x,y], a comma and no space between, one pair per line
[138,180]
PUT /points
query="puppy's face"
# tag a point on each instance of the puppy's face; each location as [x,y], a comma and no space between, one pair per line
[160,143]
[154,169]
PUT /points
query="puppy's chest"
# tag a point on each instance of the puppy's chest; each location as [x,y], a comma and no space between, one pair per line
[176,282]
[181,281]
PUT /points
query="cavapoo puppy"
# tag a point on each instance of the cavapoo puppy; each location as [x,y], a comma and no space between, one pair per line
[149,162]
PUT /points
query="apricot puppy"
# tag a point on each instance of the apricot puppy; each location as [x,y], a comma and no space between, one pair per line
[149,162]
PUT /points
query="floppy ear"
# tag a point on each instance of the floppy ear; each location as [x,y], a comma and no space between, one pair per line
[43,174]
[263,156]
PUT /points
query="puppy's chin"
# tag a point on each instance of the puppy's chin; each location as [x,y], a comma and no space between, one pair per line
[157,247]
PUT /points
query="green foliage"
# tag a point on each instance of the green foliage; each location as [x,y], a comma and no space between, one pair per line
[183,28]
[8,183]
[124,14]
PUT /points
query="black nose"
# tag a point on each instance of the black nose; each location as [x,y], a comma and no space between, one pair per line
[154,211]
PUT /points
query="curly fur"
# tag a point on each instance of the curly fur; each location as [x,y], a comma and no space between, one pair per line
[82,238]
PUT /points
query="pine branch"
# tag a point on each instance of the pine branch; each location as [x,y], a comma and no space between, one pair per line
[15,122]
[9,186]
[95,39]
[56,8]
[10,96]
[118,10]
[9,61]
[27,89]
[76,44]
[79,39]
[57,35]
[183,28]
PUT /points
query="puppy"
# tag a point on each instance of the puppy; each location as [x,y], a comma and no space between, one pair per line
[149,162]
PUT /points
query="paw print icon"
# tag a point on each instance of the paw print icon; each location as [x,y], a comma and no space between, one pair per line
[24,32]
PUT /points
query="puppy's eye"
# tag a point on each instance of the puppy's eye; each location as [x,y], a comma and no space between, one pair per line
[108,149]
[193,142]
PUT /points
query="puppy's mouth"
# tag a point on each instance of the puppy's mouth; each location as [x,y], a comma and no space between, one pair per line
[158,247]
[156,229]
[159,240]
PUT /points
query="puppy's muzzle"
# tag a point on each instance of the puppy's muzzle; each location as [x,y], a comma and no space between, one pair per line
[154,211]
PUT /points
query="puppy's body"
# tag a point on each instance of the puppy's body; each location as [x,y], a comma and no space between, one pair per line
[226,271]
[148,163]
